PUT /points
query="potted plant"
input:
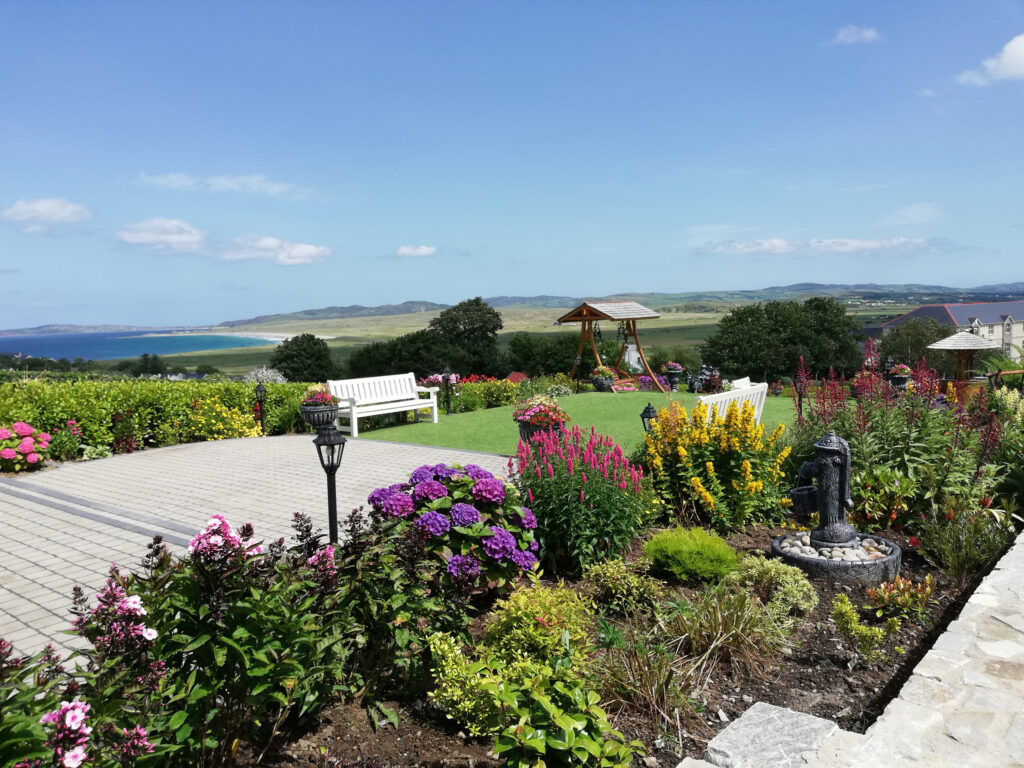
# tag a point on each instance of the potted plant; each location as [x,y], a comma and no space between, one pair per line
[537,414]
[602,378]
[775,388]
[674,373]
[319,407]
[899,376]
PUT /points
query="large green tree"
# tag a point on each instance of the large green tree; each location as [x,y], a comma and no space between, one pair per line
[766,341]
[908,344]
[304,358]
[472,325]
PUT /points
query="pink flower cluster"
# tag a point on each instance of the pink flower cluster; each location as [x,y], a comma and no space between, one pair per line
[567,451]
[133,743]
[20,446]
[218,542]
[324,569]
[70,733]
[116,624]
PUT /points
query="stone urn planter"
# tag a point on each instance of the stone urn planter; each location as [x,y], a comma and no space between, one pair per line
[527,430]
[673,378]
[319,416]
[899,382]
[602,383]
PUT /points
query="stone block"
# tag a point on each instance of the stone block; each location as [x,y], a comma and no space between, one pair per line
[766,736]
[689,762]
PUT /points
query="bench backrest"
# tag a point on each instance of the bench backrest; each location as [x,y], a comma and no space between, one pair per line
[741,383]
[376,389]
[755,394]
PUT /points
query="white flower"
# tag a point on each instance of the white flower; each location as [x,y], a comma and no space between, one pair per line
[149,633]
[74,757]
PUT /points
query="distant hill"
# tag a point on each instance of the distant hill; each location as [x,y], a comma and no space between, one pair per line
[335,313]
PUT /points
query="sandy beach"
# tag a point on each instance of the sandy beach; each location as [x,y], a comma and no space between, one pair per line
[240,334]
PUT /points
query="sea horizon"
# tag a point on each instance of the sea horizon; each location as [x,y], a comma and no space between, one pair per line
[115,345]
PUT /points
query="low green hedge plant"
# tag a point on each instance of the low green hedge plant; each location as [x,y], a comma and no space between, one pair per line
[784,590]
[624,588]
[691,555]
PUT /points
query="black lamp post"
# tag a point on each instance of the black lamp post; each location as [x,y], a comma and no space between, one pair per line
[579,362]
[647,416]
[446,394]
[330,445]
[261,399]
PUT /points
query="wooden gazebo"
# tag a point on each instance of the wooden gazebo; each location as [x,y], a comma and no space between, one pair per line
[624,312]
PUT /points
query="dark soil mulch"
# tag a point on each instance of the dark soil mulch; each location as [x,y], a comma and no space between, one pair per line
[819,676]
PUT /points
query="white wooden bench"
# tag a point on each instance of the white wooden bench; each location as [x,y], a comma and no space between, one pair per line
[755,394]
[379,394]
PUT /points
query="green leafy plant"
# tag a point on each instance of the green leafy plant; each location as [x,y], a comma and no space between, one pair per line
[783,590]
[589,500]
[29,688]
[538,622]
[963,542]
[624,588]
[867,641]
[90,452]
[690,555]
[902,598]
[66,443]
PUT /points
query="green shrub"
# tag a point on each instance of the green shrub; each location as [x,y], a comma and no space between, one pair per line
[866,640]
[902,598]
[542,712]
[783,590]
[589,500]
[962,543]
[691,554]
[28,690]
[624,588]
[730,625]
[530,624]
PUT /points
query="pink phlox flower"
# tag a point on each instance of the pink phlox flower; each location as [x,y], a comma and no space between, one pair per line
[74,758]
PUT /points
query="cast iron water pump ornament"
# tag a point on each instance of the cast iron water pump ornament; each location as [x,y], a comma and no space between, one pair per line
[834,550]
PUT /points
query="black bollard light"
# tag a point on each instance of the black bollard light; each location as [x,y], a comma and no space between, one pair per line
[446,393]
[647,416]
[261,400]
[330,445]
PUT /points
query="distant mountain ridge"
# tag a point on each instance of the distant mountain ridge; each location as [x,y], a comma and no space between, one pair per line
[912,293]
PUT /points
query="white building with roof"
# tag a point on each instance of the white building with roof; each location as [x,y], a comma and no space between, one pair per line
[998,321]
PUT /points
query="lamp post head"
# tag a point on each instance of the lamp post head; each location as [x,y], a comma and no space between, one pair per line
[261,393]
[647,416]
[330,446]
[446,375]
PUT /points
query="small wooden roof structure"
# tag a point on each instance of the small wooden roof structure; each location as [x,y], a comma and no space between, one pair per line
[625,312]
[963,345]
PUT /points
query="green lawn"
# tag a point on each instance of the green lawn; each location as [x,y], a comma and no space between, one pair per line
[493,431]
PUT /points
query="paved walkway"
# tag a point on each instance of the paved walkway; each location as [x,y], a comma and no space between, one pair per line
[66,526]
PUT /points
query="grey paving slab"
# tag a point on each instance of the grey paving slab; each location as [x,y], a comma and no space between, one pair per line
[66,526]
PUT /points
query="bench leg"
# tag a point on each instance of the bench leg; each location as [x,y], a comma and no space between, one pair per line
[433,404]
[353,422]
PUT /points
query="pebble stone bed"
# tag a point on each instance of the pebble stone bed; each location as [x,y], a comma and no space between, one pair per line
[869,549]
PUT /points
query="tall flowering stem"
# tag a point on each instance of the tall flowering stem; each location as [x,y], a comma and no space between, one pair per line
[588,498]
[726,472]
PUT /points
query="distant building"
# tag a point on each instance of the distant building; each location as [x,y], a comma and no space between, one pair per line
[999,321]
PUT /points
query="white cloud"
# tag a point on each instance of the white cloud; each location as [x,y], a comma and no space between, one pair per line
[1008,64]
[163,234]
[821,245]
[276,250]
[39,215]
[915,215]
[250,184]
[415,251]
[741,247]
[927,93]
[854,35]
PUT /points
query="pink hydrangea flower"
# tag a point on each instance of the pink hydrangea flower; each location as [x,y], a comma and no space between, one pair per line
[8,453]
[4,433]
[21,429]
[43,437]
[26,445]
[33,458]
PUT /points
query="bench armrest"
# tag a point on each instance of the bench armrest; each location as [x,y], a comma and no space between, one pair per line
[428,389]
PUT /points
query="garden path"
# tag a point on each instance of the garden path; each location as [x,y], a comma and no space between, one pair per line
[66,526]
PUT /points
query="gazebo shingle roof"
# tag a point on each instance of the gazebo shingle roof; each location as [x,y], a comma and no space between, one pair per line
[609,310]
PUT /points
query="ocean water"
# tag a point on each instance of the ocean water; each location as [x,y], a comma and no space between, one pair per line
[117,344]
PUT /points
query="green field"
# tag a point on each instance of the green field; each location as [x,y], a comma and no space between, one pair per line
[614,413]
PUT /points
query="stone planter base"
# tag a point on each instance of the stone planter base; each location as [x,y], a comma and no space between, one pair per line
[319,416]
[602,384]
[526,431]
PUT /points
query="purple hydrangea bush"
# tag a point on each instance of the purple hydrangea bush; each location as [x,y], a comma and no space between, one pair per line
[467,519]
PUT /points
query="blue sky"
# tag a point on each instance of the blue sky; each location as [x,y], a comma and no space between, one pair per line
[188,163]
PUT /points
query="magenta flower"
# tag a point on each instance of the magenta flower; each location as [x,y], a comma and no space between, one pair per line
[398,505]
[26,445]
[428,490]
[489,489]
[4,433]
[33,458]
[21,429]
[8,453]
